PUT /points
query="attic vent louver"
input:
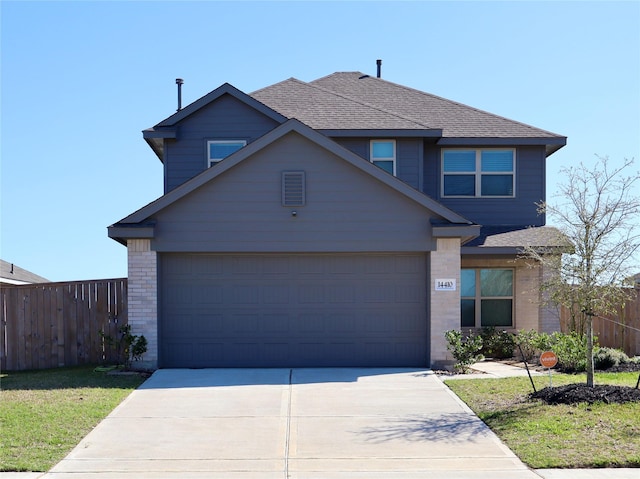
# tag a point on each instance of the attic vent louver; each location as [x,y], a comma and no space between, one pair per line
[293,188]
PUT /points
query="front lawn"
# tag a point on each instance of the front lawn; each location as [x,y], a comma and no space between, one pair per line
[45,414]
[557,436]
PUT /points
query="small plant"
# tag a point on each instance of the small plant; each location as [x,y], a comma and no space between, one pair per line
[607,358]
[571,350]
[129,347]
[526,343]
[497,344]
[466,351]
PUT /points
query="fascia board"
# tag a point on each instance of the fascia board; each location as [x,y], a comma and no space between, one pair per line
[456,231]
[377,133]
[487,250]
[467,141]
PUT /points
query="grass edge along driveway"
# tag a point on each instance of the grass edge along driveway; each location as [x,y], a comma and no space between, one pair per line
[44,414]
[557,436]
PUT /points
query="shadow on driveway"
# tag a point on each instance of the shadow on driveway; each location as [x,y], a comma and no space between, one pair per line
[447,427]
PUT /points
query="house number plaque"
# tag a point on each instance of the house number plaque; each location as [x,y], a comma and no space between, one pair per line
[445,284]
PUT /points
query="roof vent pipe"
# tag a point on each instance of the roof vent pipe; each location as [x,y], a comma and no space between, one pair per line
[179,82]
[379,64]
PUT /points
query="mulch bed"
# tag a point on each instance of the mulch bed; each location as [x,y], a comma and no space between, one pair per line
[579,393]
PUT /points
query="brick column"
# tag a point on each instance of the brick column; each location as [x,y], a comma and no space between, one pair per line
[549,314]
[444,307]
[143,297]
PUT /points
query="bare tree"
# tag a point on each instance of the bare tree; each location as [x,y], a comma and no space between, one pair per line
[598,218]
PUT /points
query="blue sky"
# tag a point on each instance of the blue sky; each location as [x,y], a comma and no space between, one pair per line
[80,80]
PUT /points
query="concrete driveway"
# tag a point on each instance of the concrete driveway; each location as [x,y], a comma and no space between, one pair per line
[300,423]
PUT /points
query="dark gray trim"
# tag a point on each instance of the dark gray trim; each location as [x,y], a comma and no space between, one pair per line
[552,144]
[502,141]
[455,231]
[382,133]
[228,89]
[485,250]
[160,133]
[121,233]
[312,135]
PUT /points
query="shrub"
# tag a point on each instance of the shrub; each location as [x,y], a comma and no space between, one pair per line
[526,343]
[129,347]
[497,344]
[571,350]
[466,351]
[606,358]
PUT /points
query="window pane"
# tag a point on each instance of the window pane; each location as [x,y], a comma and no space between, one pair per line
[459,160]
[497,185]
[496,282]
[497,160]
[382,149]
[468,313]
[468,282]
[459,185]
[496,312]
[223,149]
[385,165]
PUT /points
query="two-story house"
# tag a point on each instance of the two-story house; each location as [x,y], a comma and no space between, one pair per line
[347,221]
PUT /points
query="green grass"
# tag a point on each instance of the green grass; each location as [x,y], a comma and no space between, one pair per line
[557,436]
[45,414]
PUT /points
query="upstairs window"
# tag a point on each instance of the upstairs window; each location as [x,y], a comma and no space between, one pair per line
[218,150]
[478,173]
[383,155]
[486,298]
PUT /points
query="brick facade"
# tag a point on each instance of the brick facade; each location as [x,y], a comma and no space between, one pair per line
[143,297]
[444,306]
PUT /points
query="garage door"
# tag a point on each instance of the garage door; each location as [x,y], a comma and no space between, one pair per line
[293,310]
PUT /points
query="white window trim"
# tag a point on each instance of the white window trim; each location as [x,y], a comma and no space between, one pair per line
[212,161]
[392,159]
[478,172]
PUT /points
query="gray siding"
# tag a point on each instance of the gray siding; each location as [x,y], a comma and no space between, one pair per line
[521,210]
[346,210]
[408,156]
[226,118]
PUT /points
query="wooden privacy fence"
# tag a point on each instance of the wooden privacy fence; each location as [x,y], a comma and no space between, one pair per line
[620,331]
[50,325]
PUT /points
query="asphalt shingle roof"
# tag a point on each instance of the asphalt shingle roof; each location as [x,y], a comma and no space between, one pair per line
[353,100]
[322,109]
[518,236]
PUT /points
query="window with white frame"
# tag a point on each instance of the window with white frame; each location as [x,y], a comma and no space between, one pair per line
[486,298]
[218,150]
[478,172]
[383,155]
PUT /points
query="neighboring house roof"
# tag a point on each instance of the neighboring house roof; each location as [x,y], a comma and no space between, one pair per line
[510,239]
[407,106]
[12,274]
[134,225]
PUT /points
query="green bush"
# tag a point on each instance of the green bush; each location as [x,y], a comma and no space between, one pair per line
[526,344]
[571,350]
[466,351]
[606,358]
[497,344]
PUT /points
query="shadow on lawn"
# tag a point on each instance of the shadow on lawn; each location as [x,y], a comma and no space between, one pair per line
[66,378]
